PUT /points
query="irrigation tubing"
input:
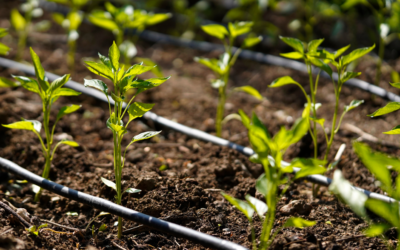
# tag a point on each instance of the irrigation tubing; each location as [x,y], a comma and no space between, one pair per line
[126,213]
[194,133]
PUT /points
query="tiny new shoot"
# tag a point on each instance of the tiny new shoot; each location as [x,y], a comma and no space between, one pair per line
[221,67]
[118,20]
[269,152]
[123,80]
[321,58]
[71,23]
[22,24]
[49,93]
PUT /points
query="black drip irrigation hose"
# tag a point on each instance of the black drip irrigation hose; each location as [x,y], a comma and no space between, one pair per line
[195,133]
[126,213]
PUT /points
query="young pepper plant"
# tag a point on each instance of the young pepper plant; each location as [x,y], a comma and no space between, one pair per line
[123,81]
[321,58]
[48,93]
[269,152]
[222,66]
[22,24]
[71,23]
[381,166]
[117,20]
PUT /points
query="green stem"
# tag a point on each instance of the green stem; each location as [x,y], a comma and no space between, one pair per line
[380,60]
[21,44]
[333,127]
[71,55]
[220,110]
[313,104]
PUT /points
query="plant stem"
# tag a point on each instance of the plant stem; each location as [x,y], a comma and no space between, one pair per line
[220,110]
[314,111]
[71,55]
[333,127]
[380,60]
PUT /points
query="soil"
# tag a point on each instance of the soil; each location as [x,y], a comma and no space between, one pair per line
[187,192]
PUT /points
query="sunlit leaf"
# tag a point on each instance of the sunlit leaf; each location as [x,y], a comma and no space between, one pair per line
[394,131]
[39,71]
[145,135]
[298,222]
[138,109]
[215,30]
[104,23]
[377,229]
[25,125]
[157,18]
[114,55]
[389,108]
[109,183]
[239,28]
[138,69]
[354,104]
[250,90]
[282,81]
[4,83]
[148,83]
[29,84]
[293,55]
[308,167]
[259,206]
[67,110]
[355,54]
[242,206]
[313,45]
[349,75]
[132,190]
[100,69]
[69,143]
[395,84]
[98,84]
[388,211]
[251,41]
[17,20]
[103,228]
[296,44]
[65,92]
[59,82]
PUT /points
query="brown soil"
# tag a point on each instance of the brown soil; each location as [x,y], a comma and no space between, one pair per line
[188,191]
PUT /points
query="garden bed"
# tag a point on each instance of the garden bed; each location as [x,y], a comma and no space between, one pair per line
[188,191]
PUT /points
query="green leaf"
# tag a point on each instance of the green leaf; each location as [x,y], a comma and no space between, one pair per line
[320,64]
[211,64]
[394,131]
[299,129]
[308,167]
[157,18]
[340,51]
[245,119]
[58,18]
[65,92]
[299,222]
[148,83]
[282,81]
[263,185]
[42,226]
[255,159]
[117,128]
[3,32]
[105,60]
[132,190]
[59,82]
[100,69]
[349,75]
[156,70]
[4,83]
[97,84]
[250,90]
[251,41]
[67,110]
[355,54]
[4,49]
[72,213]
[29,84]
[354,104]
[33,126]
[39,71]
[109,183]
[239,28]
[69,143]
[389,108]
[144,136]
[293,55]
[75,20]
[104,23]
[378,164]
[17,20]
[296,44]
[138,69]
[32,230]
[395,84]
[103,228]
[215,30]
[114,55]
[313,45]
[389,212]
[377,229]
[242,206]
[259,206]
[138,109]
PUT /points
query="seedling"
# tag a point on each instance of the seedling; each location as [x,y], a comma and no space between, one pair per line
[123,81]
[117,20]
[386,16]
[320,58]
[269,152]
[33,230]
[49,93]
[71,23]
[222,66]
[22,24]
[3,48]
[381,166]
